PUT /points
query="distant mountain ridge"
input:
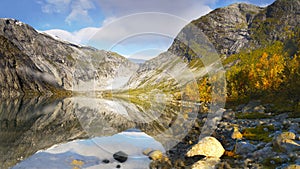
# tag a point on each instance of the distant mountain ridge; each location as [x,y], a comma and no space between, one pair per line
[39,63]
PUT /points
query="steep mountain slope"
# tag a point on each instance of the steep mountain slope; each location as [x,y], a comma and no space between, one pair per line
[277,22]
[226,28]
[230,30]
[242,26]
[18,73]
[59,64]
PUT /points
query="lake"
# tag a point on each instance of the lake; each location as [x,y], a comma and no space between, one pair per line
[43,132]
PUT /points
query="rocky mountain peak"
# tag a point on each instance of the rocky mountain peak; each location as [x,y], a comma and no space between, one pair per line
[283,6]
[68,66]
[275,22]
[227,28]
[244,26]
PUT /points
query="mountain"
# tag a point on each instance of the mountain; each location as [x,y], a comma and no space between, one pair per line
[227,28]
[243,26]
[237,28]
[39,63]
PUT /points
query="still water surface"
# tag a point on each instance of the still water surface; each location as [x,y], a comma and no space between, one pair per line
[52,133]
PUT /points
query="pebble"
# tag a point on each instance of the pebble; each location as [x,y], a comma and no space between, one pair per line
[236,134]
[105,161]
[155,155]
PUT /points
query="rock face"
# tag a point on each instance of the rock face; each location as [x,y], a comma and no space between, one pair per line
[226,28]
[19,73]
[208,146]
[243,27]
[39,62]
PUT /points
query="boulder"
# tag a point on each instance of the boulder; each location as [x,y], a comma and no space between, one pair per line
[120,156]
[206,163]
[243,148]
[286,142]
[293,166]
[264,153]
[155,155]
[208,146]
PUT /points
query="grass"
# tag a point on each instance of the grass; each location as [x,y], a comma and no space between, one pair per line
[294,114]
[273,162]
[70,58]
[259,133]
[254,115]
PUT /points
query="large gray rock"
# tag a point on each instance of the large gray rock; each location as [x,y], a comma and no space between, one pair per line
[208,146]
[244,148]
[263,153]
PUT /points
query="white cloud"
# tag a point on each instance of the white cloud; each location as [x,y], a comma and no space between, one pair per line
[79,37]
[79,11]
[168,17]
[55,6]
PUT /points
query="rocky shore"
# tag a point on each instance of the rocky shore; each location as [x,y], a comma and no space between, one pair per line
[250,136]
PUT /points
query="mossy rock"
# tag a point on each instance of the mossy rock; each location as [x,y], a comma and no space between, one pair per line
[259,133]
[254,115]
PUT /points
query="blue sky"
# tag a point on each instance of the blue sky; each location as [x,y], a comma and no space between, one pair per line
[79,20]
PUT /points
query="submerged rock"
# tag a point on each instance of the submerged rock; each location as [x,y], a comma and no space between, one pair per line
[208,146]
[120,156]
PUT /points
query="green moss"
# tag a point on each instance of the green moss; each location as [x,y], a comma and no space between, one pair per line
[254,115]
[259,133]
[294,115]
[273,162]
[70,58]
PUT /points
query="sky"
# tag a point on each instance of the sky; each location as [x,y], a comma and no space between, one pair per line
[128,27]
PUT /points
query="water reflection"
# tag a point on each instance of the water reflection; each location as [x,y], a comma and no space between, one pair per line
[32,124]
[92,153]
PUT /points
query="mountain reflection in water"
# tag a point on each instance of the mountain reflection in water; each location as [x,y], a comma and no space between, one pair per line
[32,124]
